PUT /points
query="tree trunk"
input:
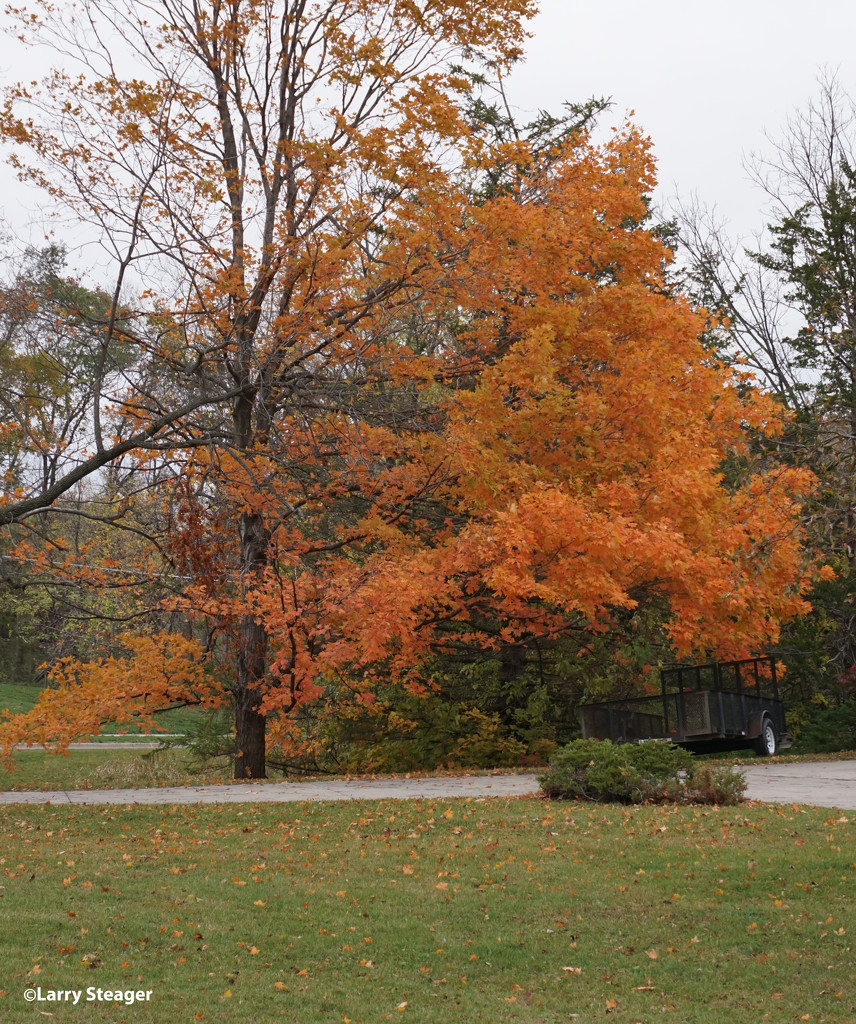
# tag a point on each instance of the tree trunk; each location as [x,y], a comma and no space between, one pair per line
[252,658]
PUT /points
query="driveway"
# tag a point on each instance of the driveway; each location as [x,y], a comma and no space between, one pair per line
[822,783]
[293,792]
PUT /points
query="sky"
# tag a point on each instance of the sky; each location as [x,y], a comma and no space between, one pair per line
[706,80]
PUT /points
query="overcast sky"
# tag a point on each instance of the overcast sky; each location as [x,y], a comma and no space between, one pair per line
[706,80]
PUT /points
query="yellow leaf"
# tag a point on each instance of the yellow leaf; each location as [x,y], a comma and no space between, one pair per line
[255,951]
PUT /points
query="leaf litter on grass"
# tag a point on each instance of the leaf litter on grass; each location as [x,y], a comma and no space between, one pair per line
[514,910]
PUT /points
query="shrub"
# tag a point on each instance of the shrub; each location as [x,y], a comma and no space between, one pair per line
[604,772]
[828,729]
[714,784]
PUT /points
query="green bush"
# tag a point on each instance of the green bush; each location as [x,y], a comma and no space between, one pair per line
[714,784]
[604,772]
[828,729]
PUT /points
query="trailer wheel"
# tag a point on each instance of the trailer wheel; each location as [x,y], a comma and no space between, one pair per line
[767,743]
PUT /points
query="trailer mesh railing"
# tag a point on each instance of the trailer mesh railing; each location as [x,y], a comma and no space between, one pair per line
[730,705]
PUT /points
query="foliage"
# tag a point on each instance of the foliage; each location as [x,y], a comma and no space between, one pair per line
[470,911]
[715,784]
[828,729]
[605,772]
[790,315]
[383,419]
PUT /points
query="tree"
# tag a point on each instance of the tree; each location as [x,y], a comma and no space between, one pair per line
[790,301]
[279,175]
[457,420]
[52,355]
[583,482]
[588,456]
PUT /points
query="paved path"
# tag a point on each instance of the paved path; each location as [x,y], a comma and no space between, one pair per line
[823,783]
[292,792]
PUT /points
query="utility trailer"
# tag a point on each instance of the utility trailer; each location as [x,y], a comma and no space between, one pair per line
[720,706]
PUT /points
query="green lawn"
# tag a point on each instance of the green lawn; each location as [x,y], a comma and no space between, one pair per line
[18,699]
[445,912]
[106,769]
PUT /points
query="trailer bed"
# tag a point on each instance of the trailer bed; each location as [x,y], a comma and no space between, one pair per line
[704,717]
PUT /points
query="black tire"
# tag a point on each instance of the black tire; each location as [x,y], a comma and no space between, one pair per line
[768,742]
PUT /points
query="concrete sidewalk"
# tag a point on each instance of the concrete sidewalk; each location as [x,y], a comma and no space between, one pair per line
[821,783]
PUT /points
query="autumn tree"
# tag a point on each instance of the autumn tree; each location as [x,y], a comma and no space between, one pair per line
[381,412]
[272,180]
[583,484]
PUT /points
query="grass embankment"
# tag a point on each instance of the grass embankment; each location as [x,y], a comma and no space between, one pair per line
[107,769]
[430,911]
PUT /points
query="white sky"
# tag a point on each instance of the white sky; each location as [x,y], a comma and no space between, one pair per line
[706,80]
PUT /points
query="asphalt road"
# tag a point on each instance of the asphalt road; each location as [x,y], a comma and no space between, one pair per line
[821,783]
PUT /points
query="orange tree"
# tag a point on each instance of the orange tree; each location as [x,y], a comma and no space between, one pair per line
[241,163]
[370,413]
[584,463]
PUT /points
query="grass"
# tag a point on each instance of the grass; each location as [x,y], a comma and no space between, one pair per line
[18,699]
[126,769]
[430,911]
[106,769]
